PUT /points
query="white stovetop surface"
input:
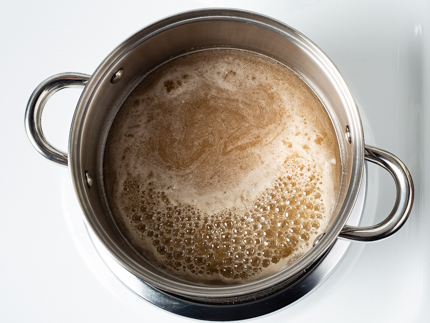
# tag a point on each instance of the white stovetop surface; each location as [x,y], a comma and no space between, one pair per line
[46,273]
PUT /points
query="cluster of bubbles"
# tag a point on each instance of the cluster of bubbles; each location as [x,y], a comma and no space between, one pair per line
[234,243]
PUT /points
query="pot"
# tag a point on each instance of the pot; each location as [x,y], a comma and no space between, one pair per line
[123,69]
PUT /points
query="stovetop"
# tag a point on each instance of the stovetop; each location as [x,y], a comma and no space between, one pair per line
[381,48]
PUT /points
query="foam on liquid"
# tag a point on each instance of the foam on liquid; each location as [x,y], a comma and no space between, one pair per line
[223,166]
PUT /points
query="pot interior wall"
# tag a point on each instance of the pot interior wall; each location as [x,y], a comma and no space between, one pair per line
[149,48]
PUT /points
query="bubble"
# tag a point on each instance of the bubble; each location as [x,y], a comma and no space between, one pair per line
[190,266]
[227,272]
[137,218]
[275,259]
[178,255]
[161,250]
[265,263]
[142,227]
[199,260]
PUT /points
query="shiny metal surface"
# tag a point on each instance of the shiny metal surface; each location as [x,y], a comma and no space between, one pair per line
[348,134]
[403,203]
[35,106]
[88,179]
[117,76]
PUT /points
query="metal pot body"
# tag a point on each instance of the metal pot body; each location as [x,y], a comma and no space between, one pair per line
[126,66]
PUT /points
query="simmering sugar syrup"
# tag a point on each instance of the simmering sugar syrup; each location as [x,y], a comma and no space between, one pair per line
[222,166]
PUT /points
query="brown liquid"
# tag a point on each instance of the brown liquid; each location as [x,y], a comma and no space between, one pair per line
[222,165]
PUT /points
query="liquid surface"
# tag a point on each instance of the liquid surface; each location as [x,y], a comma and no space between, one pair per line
[222,166]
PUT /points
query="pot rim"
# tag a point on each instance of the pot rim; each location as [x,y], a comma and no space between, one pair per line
[104,72]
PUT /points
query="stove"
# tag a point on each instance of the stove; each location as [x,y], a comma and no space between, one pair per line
[50,269]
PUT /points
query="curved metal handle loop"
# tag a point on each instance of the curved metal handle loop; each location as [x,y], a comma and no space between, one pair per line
[402,206]
[35,106]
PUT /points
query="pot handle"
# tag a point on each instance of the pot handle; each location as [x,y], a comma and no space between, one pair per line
[402,206]
[35,106]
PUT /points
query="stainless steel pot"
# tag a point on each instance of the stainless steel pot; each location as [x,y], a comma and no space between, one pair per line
[105,91]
